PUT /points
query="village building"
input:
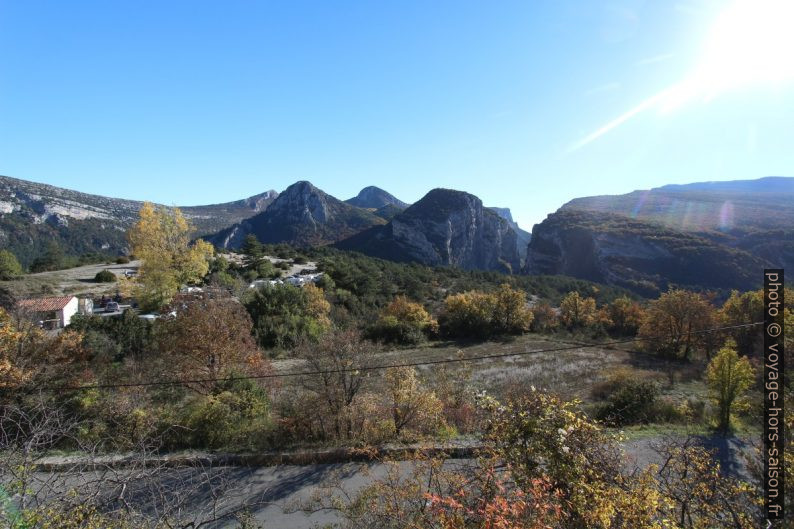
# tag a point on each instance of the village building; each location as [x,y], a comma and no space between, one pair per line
[51,313]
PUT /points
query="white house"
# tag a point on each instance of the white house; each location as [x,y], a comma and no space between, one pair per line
[52,313]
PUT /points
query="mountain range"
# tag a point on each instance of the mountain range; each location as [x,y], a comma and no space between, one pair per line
[709,235]
[33,214]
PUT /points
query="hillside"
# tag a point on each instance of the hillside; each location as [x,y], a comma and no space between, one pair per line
[33,214]
[302,215]
[444,228]
[713,235]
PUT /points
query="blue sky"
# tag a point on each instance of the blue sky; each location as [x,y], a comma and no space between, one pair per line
[526,104]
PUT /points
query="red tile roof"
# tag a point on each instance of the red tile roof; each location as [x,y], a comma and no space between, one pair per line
[45,304]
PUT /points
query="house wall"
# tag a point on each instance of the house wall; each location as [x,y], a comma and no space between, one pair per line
[65,314]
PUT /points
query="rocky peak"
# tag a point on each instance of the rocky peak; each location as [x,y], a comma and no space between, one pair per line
[375,198]
[448,228]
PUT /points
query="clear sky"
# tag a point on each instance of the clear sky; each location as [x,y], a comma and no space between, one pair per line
[525,103]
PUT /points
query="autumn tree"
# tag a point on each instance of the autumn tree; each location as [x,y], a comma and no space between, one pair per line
[544,318]
[210,339]
[577,311]
[412,406]
[728,376]
[482,314]
[405,322]
[674,324]
[624,316]
[161,239]
[338,360]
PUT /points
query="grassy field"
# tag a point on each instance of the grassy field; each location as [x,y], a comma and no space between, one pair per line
[77,281]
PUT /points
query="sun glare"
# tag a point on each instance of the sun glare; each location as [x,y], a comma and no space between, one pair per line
[751,43]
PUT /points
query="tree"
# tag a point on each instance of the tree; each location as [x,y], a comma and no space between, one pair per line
[673,324]
[252,247]
[577,312]
[482,314]
[728,377]
[511,313]
[285,315]
[211,339]
[411,405]
[51,259]
[337,359]
[624,316]
[403,321]
[544,318]
[9,266]
[161,238]
[740,309]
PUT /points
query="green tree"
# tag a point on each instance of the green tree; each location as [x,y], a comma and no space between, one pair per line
[285,315]
[728,376]
[252,247]
[9,265]
[51,259]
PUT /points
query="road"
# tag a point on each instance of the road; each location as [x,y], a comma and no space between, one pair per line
[275,493]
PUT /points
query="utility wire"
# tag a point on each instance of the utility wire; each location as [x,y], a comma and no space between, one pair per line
[381,367]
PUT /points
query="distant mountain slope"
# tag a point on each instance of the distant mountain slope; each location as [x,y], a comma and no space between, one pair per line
[522,235]
[32,214]
[302,215]
[445,227]
[734,206]
[375,198]
[713,235]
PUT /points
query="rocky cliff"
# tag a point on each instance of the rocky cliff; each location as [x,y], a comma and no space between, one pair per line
[302,215]
[522,236]
[444,228]
[32,214]
[645,257]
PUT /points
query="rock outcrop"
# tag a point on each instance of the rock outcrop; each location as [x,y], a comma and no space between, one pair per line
[444,228]
[523,236]
[372,197]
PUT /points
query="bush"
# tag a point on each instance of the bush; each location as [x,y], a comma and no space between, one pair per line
[632,402]
[9,265]
[236,416]
[105,276]
[122,260]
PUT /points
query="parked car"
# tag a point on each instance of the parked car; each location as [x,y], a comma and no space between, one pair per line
[112,306]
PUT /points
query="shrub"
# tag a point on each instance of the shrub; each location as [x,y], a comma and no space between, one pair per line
[632,402]
[105,276]
[404,322]
[9,265]
[122,260]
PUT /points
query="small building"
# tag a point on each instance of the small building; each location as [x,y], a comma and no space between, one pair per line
[85,306]
[52,313]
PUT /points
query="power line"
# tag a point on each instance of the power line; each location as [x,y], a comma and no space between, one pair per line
[360,369]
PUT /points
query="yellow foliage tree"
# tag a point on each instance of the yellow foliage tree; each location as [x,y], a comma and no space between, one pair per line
[412,406]
[161,239]
[576,311]
[673,323]
[317,306]
[728,376]
[482,314]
